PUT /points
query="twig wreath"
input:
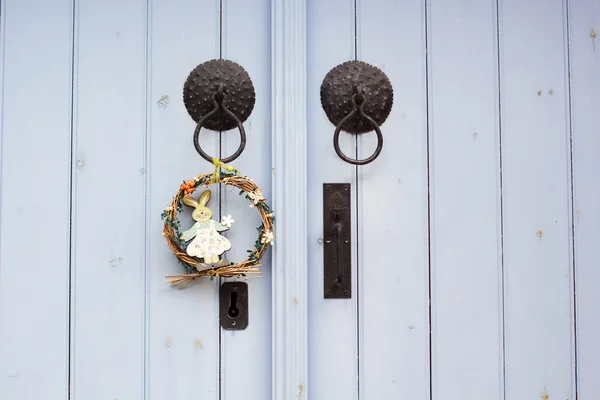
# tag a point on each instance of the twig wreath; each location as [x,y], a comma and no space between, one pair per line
[176,240]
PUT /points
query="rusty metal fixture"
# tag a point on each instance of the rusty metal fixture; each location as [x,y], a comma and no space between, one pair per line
[219,95]
[357,98]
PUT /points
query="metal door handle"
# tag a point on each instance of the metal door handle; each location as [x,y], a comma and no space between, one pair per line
[357,98]
[340,254]
[360,108]
[217,99]
[219,96]
[337,252]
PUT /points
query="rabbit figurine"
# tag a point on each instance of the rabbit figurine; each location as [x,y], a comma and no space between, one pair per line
[208,244]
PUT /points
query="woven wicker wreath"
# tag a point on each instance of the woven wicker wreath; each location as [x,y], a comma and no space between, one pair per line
[251,265]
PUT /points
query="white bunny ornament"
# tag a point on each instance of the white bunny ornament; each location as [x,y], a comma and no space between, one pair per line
[207,243]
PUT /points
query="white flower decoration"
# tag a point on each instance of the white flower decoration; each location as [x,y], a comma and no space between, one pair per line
[256,196]
[227,221]
[268,237]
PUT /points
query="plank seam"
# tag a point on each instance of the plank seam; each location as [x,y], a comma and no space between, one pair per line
[72,195]
[357,224]
[147,130]
[429,205]
[501,197]
[569,116]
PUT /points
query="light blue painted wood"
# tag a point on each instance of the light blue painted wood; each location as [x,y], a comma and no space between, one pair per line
[119,267]
[183,339]
[392,240]
[252,346]
[109,208]
[34,198]
[466,262]
[536,200]
[584,22]
[332,338]
[289,157]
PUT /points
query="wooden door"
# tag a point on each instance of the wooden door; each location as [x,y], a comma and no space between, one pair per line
[95,143]
[471,270]
[473,233]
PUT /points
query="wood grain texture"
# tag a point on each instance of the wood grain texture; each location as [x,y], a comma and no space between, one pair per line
[252,346]
[466,262]
[584,26]
[35,168]
[332,338]
[392,232]
[183,338]
[536,200]
[109,201]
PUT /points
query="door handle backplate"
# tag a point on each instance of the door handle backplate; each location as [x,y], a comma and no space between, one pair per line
[337,254]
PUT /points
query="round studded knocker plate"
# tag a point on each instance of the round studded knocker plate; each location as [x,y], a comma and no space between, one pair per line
[205,80]
[365,80]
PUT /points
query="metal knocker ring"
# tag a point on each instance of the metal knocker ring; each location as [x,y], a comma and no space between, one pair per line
[360,108]
[218,104]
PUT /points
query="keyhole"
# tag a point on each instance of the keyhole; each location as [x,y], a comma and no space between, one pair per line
[233,310]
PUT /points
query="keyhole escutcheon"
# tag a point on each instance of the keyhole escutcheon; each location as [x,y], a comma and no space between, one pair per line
[233,305]
[234,311]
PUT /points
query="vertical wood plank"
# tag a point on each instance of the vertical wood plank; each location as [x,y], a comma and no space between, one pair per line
[183,341]
[332,338]
[35,163]
[251,346]
[584,17]
[109,200]
[466,263]
[392,240]
[536,200]
[289,301]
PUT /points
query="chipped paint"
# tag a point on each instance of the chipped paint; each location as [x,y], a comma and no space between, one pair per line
[593,36]
[300,391]
[539,234]
[163,102]
[545,396]
[550,91]
[113,263]
[539,93]
[80,164]
[198,344]
[295,301]
[168,341]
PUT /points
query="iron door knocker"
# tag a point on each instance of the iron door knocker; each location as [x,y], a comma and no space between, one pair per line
[219,95]
[357,98]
